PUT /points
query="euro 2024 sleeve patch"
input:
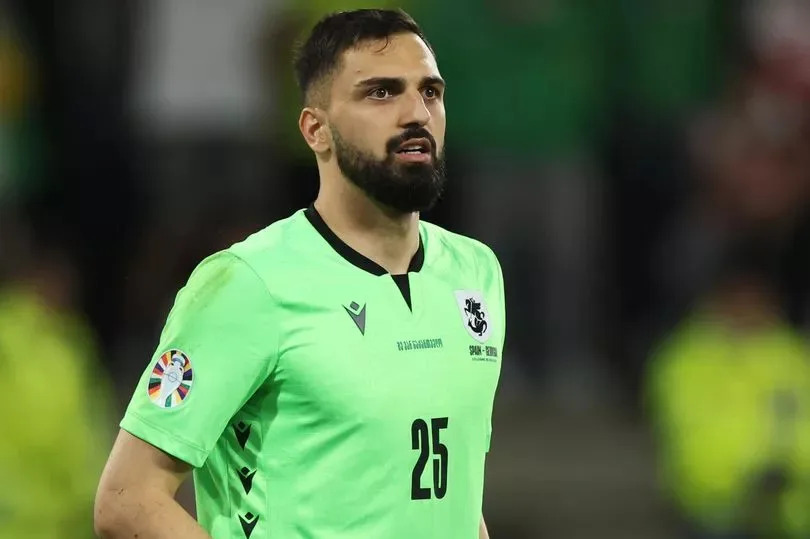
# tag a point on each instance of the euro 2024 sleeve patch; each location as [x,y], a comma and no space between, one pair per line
[171,379]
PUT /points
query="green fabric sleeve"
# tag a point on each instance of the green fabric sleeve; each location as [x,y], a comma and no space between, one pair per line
[224,325]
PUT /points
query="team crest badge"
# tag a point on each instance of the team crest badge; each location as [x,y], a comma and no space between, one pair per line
[171,379]
[475,314]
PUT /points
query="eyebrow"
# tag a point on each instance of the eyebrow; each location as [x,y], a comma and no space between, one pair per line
[396,82]
[433,81]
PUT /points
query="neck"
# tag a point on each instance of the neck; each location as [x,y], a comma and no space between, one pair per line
[388,237]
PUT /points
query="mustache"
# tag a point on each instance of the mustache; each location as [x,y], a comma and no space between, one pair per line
[411,133]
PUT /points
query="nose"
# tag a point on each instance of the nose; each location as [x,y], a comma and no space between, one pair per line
[414,110]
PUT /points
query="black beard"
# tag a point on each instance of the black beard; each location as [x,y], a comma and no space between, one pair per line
[404,187]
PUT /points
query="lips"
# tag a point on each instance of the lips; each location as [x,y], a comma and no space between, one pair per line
[415,147]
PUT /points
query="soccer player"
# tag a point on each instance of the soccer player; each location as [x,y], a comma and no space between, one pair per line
[333,375]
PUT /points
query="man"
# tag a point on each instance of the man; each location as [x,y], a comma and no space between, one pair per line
[337,379]
[741,470]
[56,420]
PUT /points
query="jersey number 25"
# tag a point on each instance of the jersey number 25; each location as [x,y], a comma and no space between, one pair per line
[424,440]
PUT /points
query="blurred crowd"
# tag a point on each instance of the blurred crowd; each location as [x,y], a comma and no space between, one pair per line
[641,167]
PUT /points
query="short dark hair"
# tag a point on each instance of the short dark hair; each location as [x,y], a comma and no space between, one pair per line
[319,55]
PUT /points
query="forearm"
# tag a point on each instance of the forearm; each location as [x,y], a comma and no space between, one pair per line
[482,530]
[125,514]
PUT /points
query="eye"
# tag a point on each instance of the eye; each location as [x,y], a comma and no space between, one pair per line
[431,92]
[379,93]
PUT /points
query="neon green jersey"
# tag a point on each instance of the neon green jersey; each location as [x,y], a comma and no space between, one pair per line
[319,397]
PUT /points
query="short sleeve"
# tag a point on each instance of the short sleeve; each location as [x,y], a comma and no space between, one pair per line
[218,346]
[502,292]
[489,435]
[501,307]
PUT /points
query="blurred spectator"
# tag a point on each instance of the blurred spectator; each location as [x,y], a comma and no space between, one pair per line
[756,165]
[56,409]
[729,397]
[752,167]
[779,44]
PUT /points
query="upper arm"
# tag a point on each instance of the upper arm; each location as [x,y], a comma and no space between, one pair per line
[135,464]
[483,533]
[137,494]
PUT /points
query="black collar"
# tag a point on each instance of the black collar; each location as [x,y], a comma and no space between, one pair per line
[353,256]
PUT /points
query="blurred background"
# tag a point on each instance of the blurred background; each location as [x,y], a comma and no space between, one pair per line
[641,167]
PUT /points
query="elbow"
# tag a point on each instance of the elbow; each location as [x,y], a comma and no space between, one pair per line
[107,513]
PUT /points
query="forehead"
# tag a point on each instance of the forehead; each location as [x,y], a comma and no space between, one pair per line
[402,55]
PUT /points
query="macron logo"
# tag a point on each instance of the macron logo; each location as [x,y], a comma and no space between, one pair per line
[358,315]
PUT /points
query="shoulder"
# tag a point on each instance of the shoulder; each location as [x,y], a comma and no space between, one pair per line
[272,244]
[465,250]
[247,263]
